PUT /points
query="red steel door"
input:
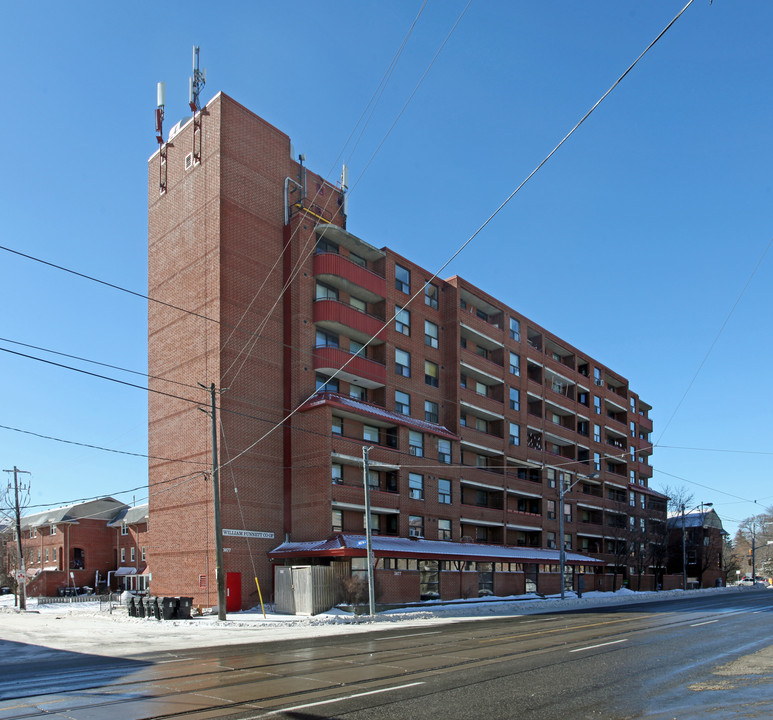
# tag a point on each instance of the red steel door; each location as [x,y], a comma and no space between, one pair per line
[233,592]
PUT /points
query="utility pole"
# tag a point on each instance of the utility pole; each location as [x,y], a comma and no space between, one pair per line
[368,532]
[219,574]
[21,574]
[684,553]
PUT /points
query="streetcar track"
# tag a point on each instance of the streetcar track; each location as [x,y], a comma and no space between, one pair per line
[372,656]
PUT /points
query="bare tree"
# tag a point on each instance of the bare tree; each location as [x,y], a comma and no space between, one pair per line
[678,497]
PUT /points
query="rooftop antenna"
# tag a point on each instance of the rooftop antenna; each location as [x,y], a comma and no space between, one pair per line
[197,82]
[161,95]
[344,191]
[160,102]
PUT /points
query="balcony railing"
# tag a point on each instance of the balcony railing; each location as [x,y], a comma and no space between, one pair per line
[331,359]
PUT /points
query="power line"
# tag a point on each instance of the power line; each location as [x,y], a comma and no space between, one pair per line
[496,211]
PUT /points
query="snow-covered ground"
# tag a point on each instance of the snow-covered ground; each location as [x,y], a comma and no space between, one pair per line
[86,628]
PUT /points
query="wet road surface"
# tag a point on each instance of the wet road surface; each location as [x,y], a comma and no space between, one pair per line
[706,657]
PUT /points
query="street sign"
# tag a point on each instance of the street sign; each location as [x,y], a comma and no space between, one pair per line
[249,534]
[19,576]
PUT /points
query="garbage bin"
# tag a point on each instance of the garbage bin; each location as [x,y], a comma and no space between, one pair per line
[168,607]
[131,608]
[184,608]
[151,607]
[139,607]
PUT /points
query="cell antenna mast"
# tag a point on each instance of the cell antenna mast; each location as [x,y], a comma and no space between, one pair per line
[197,82]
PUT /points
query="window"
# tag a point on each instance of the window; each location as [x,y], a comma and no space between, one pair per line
[357,260]
[325,384]
[481,351]
[402,320]
[402,402]
[567,541]
[133,554]
[481,425]
[481,388]
[33,532]
[374,523]
[123,555]
[431,295]
[567,513]
[597,404]
[430,334]
[597,377]
[338,521]
[550,508]
[337,426]
[551,541]
[415,526]
[373,481]
[515,434]
[444,451]
[515,399]
[402,279]
[596,461]
[357,348]
[54,555]
[597,432]
[551,476]
[444,491]
[633,477]
[53,530]
[370,433]
[633,429]
[143,554]
[358,304]
[415,486]
[463,419]
[515,364]
[431,373]
[324,292]
[326,339]
[324,245]
[415,443]
[633,405]
[462,380]
[358,392]
[643,525]
[337,473]
[582,427]
[402,363]
[431,411]
[515,329]
[443,529]
[633,453]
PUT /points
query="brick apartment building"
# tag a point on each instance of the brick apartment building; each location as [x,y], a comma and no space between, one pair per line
[77,546]
[474,414]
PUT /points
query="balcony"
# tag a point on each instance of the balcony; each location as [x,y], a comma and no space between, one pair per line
[360,370]
[341,318]
[340,272]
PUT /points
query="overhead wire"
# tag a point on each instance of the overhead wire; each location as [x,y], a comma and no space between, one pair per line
[497,210]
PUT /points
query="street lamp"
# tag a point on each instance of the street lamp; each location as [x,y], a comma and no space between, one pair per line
[684,541]
[562,490]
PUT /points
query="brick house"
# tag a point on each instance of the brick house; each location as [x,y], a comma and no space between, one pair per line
[474,413]
[704,539]
[78,545]
[131,543]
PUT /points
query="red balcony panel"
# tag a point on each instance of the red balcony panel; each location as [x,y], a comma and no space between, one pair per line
[645,423]
[337,266]
[331,359]
[336,314]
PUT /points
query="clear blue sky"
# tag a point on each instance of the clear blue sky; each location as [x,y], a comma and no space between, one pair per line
[633,243]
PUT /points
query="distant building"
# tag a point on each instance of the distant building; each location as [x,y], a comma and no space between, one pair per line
[72,546]
[704,539]
[474,413]
[131,540]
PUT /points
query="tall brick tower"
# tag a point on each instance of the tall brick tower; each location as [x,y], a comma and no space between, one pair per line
[216,231]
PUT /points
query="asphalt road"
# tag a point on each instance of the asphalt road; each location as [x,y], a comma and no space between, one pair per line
[707,657]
